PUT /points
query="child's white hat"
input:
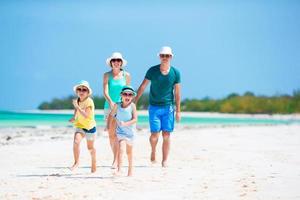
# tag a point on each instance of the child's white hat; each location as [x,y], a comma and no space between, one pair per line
[85,84]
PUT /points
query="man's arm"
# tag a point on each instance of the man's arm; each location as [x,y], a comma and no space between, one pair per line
[141,90]
[177,91]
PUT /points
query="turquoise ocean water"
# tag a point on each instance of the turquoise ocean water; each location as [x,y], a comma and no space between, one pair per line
[19,119]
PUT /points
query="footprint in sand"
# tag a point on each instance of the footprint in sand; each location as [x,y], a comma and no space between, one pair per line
[242,195]
[247,185]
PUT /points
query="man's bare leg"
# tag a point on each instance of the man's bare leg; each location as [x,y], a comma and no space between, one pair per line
[153,141]
[165,148]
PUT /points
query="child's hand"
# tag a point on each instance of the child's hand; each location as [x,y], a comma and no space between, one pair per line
[121,123]
[72,120]
[75,104]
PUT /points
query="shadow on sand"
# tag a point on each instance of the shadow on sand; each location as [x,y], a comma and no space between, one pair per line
[99,166]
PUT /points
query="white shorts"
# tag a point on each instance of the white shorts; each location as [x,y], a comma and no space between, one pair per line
[128,140]
[88,135]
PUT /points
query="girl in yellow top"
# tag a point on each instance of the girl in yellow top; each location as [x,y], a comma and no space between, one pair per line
[84,122]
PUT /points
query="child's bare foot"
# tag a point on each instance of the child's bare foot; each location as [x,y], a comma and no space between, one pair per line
[153,157]
[164,164]
[74,166]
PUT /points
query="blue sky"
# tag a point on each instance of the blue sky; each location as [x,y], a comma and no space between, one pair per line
[220,47]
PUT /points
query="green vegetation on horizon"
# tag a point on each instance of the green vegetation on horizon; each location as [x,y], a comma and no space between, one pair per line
[233,103]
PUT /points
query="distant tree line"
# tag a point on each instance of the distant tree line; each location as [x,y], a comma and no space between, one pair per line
[233,103]
[66,103]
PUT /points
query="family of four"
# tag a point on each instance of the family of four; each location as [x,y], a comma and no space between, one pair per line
[120,110]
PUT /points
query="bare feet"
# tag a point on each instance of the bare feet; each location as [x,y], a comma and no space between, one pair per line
[153,157]
[164,164]
[74,166]
[117,173]
[129,172]
[114,165]
[94,167]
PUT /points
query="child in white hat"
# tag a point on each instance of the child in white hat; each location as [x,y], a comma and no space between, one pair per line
[84,122]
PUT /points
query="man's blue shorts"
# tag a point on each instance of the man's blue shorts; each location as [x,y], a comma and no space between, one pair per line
[161,118]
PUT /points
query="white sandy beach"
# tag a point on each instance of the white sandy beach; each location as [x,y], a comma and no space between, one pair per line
[248,162]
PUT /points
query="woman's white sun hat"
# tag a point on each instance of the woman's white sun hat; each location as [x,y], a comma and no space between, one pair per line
[116,55]
[166,50]
[85,84]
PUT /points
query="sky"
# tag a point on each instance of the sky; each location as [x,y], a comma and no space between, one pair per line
[220,47]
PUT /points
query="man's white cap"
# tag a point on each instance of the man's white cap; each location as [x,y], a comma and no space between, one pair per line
[166,50]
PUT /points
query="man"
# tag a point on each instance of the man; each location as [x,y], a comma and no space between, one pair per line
[165,84]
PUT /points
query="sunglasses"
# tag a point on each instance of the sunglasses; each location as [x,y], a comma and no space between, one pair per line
[127,94]
[82,89]
[116,60]
[165,55]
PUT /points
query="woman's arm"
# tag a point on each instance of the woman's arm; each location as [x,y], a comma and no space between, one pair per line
[128,78]
[111,115]
[105,90]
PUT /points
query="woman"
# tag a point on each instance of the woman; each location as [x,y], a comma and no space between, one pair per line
[113,82]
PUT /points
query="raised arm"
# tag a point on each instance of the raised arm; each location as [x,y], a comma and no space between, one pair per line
[141,90]
[84,112]
[128,78]
[177,91]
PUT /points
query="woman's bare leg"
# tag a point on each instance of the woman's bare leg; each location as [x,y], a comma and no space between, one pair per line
[112,141]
